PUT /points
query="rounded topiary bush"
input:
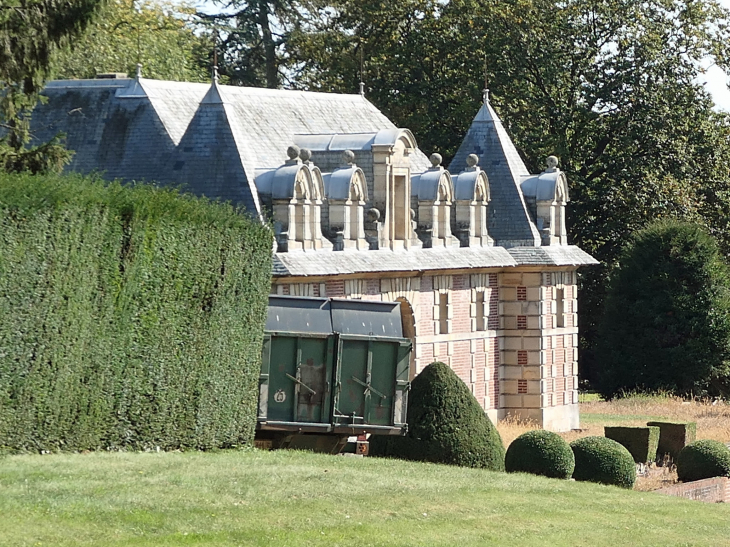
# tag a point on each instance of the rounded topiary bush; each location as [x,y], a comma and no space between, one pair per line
[598,459]
[445,425]
[540,452]
[703,460]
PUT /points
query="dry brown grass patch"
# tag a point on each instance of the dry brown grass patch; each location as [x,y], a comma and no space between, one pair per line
[712,417]
[512,427]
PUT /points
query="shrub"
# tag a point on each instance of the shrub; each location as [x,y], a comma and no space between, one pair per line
[540,452]
[666,323]
[703,460]
[641,442]
[445,425]
[598,459]
[132,317]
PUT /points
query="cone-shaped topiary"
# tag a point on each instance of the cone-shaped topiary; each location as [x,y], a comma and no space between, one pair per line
[445,425]
[540,452]
[598,459]
[703,460]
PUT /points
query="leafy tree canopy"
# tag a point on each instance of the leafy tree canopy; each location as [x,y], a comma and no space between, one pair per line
[256,38]
[163,36]
[667,319]
[31,32]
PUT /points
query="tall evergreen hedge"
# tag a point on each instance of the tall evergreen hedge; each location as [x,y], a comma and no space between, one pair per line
[130,317]
[666,324]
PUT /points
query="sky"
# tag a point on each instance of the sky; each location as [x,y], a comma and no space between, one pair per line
[715,79]
[716,82]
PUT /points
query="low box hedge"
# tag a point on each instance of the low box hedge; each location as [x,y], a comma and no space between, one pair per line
[673,437]
[641,442]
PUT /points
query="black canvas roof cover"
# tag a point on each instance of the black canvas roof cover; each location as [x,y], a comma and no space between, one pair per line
[367,318]
[299,314]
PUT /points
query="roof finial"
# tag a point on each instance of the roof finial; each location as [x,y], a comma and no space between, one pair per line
[139,71]
[362,69]
[215,56]
[485,96]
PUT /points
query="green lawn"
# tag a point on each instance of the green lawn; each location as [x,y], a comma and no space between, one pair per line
[293,498]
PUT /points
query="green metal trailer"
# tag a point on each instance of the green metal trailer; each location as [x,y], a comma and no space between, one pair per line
[331,368]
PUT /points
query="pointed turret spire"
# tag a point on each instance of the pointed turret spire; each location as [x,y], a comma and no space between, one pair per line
[487,139]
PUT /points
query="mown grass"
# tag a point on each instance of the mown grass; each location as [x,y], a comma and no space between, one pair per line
[290,498]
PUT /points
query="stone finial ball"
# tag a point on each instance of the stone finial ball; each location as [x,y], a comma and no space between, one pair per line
[293,152]
[348,156]
[436,159]
[552,162]
[472,160]
[305,154]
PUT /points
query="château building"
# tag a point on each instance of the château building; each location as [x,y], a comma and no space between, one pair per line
[477,253]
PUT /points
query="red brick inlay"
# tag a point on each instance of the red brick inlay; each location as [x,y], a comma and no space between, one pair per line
[521,321]
[521,386]
[521,293]
[522,357]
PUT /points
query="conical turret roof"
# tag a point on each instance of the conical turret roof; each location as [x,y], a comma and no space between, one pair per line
[509,222]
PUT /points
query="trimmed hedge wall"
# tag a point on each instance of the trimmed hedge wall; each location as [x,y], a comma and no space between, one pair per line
[540,452]
[673,437]
[132,317]
[445,425]
[641,442]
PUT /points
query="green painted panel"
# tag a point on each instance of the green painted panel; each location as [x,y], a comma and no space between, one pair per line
[264,377]
[352,366]
[299,373]
[367,374]
[384,364]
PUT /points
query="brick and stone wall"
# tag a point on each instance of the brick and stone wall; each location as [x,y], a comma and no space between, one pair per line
[713,490]
[511,336]
[539,348]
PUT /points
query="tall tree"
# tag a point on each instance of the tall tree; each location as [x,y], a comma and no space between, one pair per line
[31,32]
[610,87]
[165,37]
[255,37]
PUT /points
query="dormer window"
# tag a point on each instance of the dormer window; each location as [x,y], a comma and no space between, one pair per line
[296,192]
[433,191]
[471,188]
[300,229]
[346,190]
[546,195]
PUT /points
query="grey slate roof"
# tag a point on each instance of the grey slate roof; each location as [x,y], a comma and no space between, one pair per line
[208,138]
[509,222]
[386,261]
[553,255]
